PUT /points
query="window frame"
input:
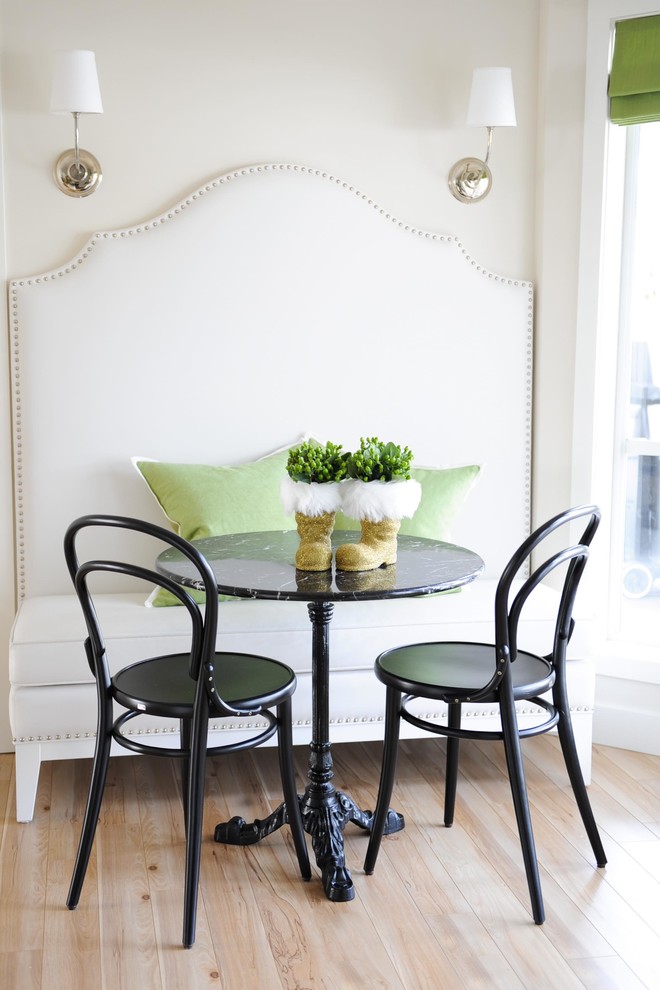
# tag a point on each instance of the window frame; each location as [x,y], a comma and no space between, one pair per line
[625,446]
[599,370]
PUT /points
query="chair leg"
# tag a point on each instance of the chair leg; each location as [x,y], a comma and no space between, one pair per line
[388,769]
[520,800]
[185,730]
[451,770]
[287,773]
[194,819]
[569,749]
[92,811]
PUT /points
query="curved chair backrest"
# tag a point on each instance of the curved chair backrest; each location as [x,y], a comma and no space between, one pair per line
[204,626]
[507,611]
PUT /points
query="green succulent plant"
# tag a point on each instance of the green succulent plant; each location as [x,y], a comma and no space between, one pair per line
[378,461]
[311,461]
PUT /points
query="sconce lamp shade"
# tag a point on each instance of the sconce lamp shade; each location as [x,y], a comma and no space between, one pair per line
[491,99]
[75,83]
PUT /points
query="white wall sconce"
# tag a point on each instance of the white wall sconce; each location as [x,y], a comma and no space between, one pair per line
[76,90]
[491,105]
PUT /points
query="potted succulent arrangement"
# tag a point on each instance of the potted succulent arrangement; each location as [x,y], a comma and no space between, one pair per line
[311,491]
[379,492]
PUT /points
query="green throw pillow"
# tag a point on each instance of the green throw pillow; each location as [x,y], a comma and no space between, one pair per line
[443,493]
[201,500]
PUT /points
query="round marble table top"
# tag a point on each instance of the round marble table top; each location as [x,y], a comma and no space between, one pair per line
[261,565]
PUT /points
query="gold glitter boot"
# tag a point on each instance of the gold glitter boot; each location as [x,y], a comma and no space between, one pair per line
[376,548]
[315,551]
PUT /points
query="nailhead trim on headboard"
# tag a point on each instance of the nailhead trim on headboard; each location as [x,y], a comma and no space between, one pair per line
[238,173]
[170,214]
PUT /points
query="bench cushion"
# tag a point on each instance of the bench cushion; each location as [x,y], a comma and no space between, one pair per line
[45,646]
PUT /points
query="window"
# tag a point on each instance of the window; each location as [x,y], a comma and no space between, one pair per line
[634,90]
[615,297]
[635,591]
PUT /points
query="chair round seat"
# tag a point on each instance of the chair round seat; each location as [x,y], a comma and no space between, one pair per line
[163,686]
[444,671]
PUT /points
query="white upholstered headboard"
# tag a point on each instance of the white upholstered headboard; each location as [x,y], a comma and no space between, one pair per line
[273,301]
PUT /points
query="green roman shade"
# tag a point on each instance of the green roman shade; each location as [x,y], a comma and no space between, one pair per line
[634,88]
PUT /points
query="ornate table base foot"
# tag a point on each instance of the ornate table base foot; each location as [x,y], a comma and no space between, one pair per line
[325,822]
[337,882]
[238,832]
[395,822]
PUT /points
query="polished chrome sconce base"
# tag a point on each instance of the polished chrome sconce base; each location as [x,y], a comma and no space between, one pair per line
[77,175]
[470,180]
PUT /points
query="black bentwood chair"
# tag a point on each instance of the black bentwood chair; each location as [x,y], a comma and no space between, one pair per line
[189,686]
[499,674]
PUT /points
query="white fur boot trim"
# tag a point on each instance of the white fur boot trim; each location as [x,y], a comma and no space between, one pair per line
[312,499]
[378,500]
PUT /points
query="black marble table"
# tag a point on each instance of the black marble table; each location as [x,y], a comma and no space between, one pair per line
[260,565]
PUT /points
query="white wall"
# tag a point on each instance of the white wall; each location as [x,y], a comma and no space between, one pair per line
[558,187]
[6,509]
[374,91]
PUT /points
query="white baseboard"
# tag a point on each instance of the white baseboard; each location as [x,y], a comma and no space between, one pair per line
[627,710]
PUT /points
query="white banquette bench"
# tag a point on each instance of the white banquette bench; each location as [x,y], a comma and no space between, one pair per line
[272,298]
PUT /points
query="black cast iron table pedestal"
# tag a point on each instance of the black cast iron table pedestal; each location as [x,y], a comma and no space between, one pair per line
[325,810]
[259,565]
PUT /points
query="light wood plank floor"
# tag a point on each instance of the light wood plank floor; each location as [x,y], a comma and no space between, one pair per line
[446,908]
